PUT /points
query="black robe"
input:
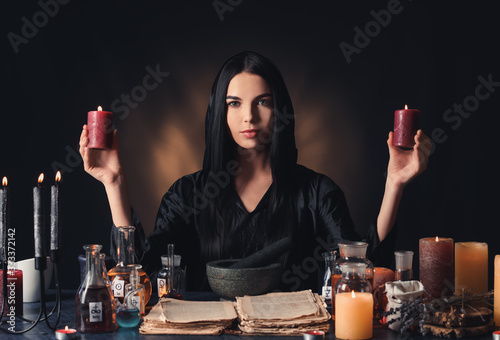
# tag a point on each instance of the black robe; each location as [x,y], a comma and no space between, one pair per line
[322,220]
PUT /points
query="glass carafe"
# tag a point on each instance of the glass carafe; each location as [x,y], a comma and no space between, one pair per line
[353,303]
[93,305]
[354,252]
[120,274]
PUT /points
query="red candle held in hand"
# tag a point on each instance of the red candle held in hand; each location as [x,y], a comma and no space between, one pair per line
[405,127]
[100,129]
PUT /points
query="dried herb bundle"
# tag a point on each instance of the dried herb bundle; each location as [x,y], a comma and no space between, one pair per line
[414,314]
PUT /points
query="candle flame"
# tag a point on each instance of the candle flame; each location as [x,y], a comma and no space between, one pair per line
[40,178]
[352,294]
[99,108]
[406,107]
[437,239]
[58,177]
[4,181]
[66,328]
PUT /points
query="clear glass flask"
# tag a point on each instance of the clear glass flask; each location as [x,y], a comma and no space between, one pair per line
[105,276]
[93,305]
[136,299]
[120,274]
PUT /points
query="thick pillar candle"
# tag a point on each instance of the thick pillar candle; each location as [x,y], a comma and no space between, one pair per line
[436,266]
[496,301]
[405,127]
[471,267]
[100,129]
[353,315]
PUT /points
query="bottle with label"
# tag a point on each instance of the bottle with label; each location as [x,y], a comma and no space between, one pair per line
[136,299]
[326,289]
[93,305]
[120,274]
[162,280]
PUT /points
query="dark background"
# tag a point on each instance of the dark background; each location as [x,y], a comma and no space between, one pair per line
[90,53]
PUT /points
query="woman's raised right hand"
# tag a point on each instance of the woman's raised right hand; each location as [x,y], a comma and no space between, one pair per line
[103,165]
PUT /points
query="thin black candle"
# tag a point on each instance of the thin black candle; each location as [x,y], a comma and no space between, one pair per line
[39,226]
[55,227]
[4,219]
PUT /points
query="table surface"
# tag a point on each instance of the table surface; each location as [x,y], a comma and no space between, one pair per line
[41,331]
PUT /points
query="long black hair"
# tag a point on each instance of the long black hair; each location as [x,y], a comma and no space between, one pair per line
[220,150]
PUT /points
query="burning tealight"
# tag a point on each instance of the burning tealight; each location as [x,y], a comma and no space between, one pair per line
[66,333]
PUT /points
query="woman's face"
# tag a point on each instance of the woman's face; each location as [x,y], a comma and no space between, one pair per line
[249,111]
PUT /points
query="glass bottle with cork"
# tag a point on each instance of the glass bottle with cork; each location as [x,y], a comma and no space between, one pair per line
[93,305]
[120,274]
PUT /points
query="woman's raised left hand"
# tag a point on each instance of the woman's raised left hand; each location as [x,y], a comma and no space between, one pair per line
[405,165]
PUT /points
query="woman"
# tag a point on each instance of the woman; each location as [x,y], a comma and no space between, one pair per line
[251,191]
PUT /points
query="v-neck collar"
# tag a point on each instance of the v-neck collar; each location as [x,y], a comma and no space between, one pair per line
[261,205]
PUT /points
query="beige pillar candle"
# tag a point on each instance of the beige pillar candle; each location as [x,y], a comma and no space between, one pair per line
[354,315]
[496,301]
[471,267]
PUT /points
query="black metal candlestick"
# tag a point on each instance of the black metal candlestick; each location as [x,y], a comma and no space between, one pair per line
[40,264]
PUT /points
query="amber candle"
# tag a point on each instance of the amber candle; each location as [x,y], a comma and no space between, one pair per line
[471,267]
[354,315]
[436,265]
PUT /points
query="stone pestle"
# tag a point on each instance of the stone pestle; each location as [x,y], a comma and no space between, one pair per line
[264,256]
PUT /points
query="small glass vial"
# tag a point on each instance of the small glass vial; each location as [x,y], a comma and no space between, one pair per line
[136,299]
[326,289]
[404,271]
[353,303]
[171,276]
[162,280]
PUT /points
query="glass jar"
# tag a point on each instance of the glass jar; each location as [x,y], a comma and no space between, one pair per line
[354,252]
[93,305]
[353,303]
[120,274]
